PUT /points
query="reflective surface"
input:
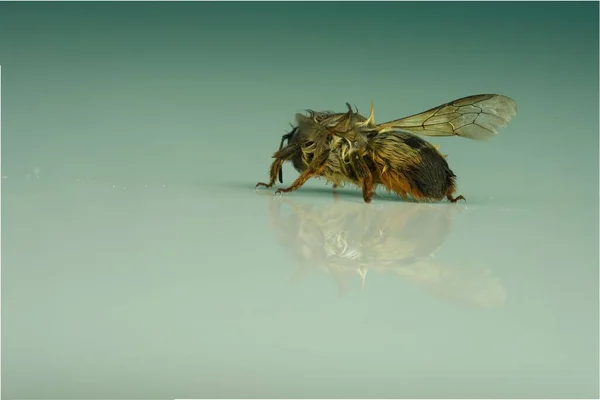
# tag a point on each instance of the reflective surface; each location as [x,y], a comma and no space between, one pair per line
[312,294]
[138,261]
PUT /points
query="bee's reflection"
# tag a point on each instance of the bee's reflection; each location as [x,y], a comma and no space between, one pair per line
[347,239]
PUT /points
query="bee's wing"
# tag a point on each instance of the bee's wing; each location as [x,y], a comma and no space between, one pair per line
[475,117]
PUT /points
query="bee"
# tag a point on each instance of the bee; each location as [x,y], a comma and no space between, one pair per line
[348,148]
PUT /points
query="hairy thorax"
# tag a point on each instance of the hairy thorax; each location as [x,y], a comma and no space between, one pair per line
[338,168]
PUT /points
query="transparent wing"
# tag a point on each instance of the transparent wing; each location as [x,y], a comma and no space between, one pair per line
[475,117]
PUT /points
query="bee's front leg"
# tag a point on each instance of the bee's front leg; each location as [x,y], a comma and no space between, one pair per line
[285,137]
[280,157]
[273,172]
[301,180]
[315,169]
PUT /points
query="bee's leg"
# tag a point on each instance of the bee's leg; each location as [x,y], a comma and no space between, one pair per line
[451,198]
[455,199]
[365,177]
[301,180]
[315,169]
[280,157]
[285,137]
[368,190]
[275,167]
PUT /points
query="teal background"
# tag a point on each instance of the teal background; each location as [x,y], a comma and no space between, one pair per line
[138,261]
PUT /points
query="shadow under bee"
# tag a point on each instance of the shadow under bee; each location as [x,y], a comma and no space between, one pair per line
[349,240]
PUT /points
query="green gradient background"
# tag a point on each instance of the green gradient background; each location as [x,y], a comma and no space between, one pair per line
[192,98]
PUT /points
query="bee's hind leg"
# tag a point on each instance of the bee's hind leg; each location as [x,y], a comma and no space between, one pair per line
[455,199]
[450,191]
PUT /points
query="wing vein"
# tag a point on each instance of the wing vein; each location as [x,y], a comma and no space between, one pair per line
[462,117]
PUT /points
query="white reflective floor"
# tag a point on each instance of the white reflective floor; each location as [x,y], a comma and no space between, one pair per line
[163,289]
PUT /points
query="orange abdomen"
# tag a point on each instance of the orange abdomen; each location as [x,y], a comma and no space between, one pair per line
[411,166]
